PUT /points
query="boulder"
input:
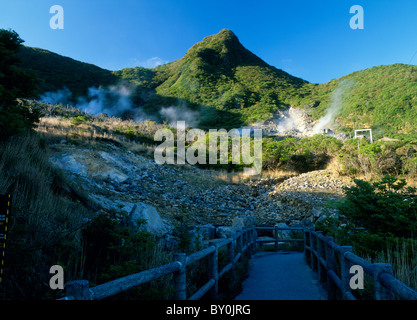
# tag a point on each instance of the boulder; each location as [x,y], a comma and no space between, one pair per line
[200,234]
[227,232]
[316,213]
[154,224]
[111,174]
[136,211]
[205,232]
[243,222]
[70,163]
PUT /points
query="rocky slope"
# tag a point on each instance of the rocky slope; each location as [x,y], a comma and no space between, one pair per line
[115,178]
[301,199]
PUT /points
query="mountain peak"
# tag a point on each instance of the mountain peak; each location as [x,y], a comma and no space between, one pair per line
[226,33]
[224,49]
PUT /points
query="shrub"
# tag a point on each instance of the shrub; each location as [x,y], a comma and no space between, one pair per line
[384,207]
[78,120]
[301,155]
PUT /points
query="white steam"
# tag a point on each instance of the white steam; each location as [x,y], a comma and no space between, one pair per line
[62,96]
[113,100]
[335,106]
[297,122]
[117,99]
[181,112]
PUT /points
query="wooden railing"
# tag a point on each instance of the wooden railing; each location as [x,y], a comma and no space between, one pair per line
[333,263]
[276,235]
[242,242]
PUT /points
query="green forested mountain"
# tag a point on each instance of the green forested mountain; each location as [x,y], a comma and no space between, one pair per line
[56,72]
[220,73]
[383,98]
[230,86]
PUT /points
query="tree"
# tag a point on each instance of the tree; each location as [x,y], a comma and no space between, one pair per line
[16,117]
[384,207]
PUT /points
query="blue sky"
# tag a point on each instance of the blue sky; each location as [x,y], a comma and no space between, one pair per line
[309,39]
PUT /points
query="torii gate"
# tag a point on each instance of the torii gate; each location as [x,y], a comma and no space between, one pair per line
[370,133]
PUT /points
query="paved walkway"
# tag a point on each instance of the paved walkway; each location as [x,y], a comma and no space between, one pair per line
[281,276]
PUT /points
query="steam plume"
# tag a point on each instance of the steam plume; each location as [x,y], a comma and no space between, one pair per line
[61,96]
[335,106]
[180,112]
[113,100]
[117,99]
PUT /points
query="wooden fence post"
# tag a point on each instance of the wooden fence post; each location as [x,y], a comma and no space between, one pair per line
[239,243]
[254,236]
[79,290]
[248,243]
[180,277]
[243,239]
[381,293]
[305,245]
[276,238]
[231,255]
[214,271]
[345,269]
[319,245]
[330,265]
[253,240]
[313,262]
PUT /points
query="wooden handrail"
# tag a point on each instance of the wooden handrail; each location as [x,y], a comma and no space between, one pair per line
[320,250]
[324,259]
[242,242]
[276,239]
[397,287]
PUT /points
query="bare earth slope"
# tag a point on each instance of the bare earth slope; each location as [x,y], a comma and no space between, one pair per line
[115,178]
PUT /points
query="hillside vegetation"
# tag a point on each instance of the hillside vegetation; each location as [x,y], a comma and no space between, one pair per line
[54,221]
[57,72]
[383,98]
[230,86]
[220,73]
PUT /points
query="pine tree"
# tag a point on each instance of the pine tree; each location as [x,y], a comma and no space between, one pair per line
[15,117]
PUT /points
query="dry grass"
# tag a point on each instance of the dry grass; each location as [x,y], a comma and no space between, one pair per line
[241,177]
[411,181]
[227,177]
[334,166]
[72,120]
[403,258]
[276,174]
[139,149]
[44,221]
